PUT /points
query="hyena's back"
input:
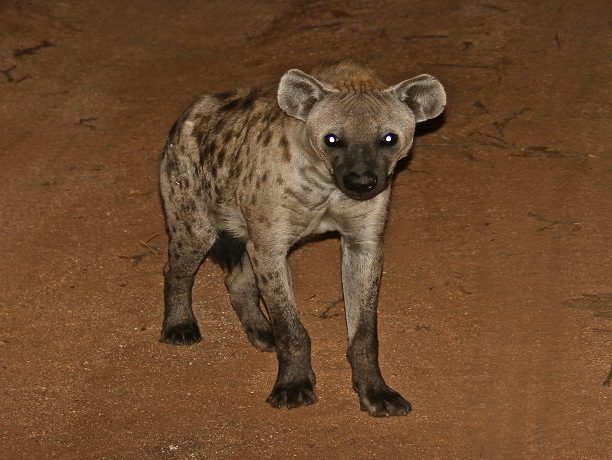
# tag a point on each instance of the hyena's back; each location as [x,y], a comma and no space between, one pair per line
[210,162]
[215,138]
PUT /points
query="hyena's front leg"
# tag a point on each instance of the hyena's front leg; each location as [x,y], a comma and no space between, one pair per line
[361,269]
[295,381]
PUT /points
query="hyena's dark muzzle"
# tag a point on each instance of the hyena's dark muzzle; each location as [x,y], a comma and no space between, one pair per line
[360,174]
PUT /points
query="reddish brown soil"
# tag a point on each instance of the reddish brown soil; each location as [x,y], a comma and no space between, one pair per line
[496,304]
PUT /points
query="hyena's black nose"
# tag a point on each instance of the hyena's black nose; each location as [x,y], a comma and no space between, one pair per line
[360,183]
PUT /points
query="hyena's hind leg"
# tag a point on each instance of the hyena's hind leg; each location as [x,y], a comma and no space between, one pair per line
[231,254]
[180,326]
[185,255]
[191,234]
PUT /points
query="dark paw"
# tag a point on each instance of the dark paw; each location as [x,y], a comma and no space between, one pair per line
[292,395]
[383,402]
[181,334]
[262,339]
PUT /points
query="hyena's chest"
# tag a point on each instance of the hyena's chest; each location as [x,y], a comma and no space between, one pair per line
[315,223]
[311,213]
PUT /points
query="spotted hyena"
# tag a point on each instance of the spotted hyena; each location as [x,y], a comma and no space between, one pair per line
[247,174]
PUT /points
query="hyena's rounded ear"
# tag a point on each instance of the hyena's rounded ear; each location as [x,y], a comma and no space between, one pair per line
[298,92]
[423,94]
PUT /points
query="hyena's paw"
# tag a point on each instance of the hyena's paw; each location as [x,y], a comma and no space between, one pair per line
[383,402]
[261,338]
[181,334]
[292,395]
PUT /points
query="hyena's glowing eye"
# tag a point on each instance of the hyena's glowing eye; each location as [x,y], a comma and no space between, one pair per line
[389,139]
[331,140]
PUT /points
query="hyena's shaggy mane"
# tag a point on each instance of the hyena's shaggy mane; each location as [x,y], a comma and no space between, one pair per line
[349,76]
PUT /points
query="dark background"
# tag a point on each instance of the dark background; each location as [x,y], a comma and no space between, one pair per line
[496,303]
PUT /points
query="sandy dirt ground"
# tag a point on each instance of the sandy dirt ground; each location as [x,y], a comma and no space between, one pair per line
[496,302]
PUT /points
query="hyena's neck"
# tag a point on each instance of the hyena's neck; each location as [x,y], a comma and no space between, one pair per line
[307,163]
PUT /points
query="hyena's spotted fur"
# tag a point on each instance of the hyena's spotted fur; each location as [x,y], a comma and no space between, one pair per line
[243,181]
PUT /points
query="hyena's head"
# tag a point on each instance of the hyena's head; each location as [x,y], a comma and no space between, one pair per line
[360,131]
